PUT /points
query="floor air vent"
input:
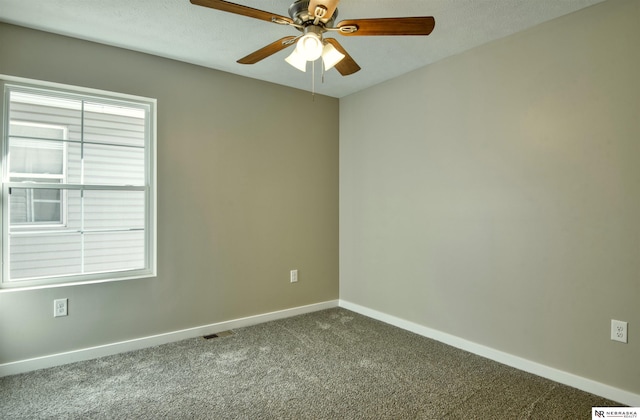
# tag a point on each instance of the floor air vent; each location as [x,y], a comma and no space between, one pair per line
[216,335]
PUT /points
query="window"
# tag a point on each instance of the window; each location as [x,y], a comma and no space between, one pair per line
[78,185]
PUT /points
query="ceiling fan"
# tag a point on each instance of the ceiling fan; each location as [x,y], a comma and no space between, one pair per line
[314,18]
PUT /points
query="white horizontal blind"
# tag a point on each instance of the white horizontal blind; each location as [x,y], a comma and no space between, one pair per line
[77,183]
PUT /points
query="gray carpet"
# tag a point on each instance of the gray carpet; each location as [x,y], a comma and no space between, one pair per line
[332,364]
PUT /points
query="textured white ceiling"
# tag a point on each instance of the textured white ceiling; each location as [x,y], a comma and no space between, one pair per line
[179,30]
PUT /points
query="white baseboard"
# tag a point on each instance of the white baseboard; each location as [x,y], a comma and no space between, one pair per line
[28,365]
[575,381]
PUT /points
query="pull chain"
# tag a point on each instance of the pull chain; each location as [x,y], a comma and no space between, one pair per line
[313,80]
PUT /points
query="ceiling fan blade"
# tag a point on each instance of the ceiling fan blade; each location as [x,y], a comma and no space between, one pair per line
[347,65]
[238,9]
[388,26]
[329,5]
[268,50]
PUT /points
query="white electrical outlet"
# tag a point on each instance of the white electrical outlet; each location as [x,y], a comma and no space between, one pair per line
[293,276]
[619,331]
[60,307]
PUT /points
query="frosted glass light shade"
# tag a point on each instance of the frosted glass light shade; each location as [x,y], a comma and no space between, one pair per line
[331,56]
[297,60]
[310,46]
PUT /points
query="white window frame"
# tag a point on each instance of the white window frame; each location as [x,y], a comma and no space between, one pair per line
[10,83]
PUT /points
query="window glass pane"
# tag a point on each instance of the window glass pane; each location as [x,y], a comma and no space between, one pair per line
[35,130]
[36,157]
[41,109]
[74,163]
[114,124]
[114,251]
[18,206]
[47,194]
[44,255]
[36,206]
[114,165]
[46,212]
[114,209]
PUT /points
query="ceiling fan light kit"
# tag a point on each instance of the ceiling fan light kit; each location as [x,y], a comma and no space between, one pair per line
[330,57]
[314,18]
[310,47]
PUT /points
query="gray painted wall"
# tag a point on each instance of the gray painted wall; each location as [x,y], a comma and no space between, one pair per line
[242,199]
[495,195]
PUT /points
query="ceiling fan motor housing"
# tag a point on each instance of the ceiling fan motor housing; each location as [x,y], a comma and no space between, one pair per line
[299,13]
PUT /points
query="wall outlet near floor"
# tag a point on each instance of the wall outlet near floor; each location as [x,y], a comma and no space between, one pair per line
[619,331]
[60,307]
[293,276]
